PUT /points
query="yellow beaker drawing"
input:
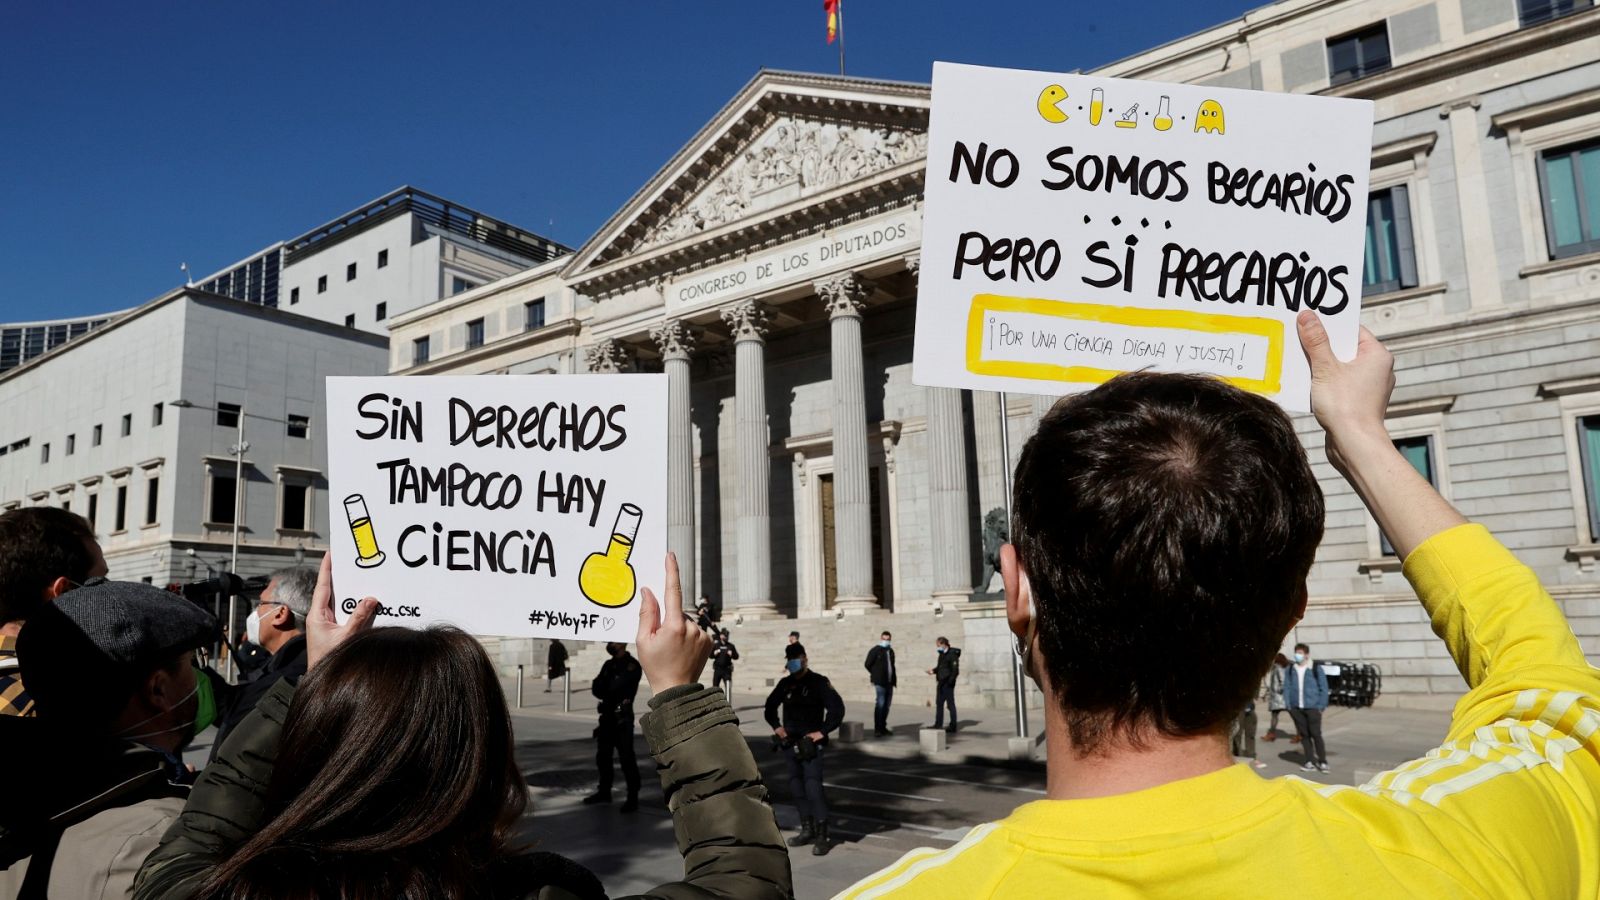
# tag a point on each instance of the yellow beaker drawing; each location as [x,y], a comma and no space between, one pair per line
[367,552]
[607,578]
[1097,105]
[1163,115]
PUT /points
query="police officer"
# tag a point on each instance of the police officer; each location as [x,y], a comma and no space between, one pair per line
[811,709]
[615,687]
[723,653]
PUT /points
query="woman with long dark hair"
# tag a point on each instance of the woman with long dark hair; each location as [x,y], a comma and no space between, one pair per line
[389,772]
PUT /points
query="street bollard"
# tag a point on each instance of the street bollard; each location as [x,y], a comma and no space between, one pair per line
[566,700]
[519,686]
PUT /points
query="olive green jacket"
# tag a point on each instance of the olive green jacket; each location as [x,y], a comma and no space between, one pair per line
[726,831]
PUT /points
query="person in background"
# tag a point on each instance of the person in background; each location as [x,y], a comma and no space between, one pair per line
[1274,695]
[390,771]
[803,709]
[723,654]
[946,669]
[1243,743]
[616,686]
[880,663]
[44,552]
[794,638]
[98,776]
[276,625]
[1165,528]
[1305,693]
[555,663]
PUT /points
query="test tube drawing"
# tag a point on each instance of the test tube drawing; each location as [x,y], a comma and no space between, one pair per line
[367,552]
[1163,115]
[1097,105]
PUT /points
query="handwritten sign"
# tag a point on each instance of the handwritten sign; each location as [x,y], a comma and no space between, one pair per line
[531,505]
[1078,227]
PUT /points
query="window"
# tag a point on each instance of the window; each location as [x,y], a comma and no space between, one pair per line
[292,507]
[459,284]
[419,351]
[152,491]
[294,296]
[94,439]
[44,453]
[383,258]
[94,509]
[350,321]
[322,284]
[1532,12]
[223,497]
[1589,460]
[299,426]
[72,443]
[121,520]
[350,272]
[228,415]
[533,314]
[1571,181]
[156,415]
[380,312]
[1358,55]
[1419,452]
[127,424]
[1391,257]
[474,333]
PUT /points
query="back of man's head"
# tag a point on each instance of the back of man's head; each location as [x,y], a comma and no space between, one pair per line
[292,587]
[1166,524]
[39,544]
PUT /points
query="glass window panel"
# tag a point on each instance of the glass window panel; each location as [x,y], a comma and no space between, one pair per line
[1562,196]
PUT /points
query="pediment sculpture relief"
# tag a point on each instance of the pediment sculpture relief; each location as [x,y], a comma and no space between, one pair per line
[789,161]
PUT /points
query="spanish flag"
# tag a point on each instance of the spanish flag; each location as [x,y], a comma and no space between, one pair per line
[831,7]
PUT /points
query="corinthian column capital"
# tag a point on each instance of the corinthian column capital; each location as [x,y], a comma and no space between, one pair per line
[749,320]
[844,294]
[914,266]
[609,356]
[674,338]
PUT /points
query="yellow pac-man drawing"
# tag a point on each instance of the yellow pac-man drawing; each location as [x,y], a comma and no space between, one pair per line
[367,552]
[607,578]
[1048,100]
[1209,117]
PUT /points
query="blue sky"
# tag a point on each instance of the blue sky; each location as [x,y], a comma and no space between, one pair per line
[138,135]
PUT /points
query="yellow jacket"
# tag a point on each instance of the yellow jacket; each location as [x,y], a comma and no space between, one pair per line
[1508,807]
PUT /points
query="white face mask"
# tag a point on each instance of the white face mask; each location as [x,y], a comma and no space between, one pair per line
[252,626]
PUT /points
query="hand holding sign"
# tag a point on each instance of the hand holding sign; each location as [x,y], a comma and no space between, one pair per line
[1350,399]
[670,651]
[323,631]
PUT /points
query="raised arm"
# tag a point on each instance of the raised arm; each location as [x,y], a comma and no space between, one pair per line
[726,831]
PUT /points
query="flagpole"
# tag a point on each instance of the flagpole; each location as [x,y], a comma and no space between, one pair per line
[840,15]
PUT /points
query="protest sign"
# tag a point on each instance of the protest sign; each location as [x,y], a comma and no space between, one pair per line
[1076,227]
[531,505]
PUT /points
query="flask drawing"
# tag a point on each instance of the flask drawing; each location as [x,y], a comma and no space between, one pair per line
[607,578]
[1097,105]
[1163,115]
[367,552]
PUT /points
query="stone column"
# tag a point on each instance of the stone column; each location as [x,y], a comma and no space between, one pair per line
[750,321]
[950,530]
[844,296]
[676,340]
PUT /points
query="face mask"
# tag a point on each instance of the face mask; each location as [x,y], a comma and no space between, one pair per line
[943,649]
[252,626]
[884,644]
[794,666]
[205,711]
[1299,657]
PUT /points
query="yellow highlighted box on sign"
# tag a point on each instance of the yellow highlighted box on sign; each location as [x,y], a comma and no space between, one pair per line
[1131,317]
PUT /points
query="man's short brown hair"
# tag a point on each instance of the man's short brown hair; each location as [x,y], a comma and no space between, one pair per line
[1166,524]
[39,544]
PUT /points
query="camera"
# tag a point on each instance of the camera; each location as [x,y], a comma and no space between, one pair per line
[220,585]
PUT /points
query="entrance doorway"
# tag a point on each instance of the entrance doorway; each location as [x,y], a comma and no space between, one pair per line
[830,569]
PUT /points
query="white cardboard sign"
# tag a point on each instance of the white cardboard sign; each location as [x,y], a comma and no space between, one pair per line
[1077,227]
[529,505]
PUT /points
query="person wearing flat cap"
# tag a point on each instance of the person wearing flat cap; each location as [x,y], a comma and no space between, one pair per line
[97,776]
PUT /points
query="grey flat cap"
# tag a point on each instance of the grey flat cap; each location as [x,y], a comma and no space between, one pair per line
[82,655]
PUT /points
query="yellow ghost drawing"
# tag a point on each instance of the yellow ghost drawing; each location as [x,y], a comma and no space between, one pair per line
[1048,98]
[1209,117]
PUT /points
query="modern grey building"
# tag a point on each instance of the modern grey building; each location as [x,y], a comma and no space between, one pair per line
[22,341]
[133,426]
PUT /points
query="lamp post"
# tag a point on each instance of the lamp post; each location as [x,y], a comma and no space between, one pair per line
[237,449]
